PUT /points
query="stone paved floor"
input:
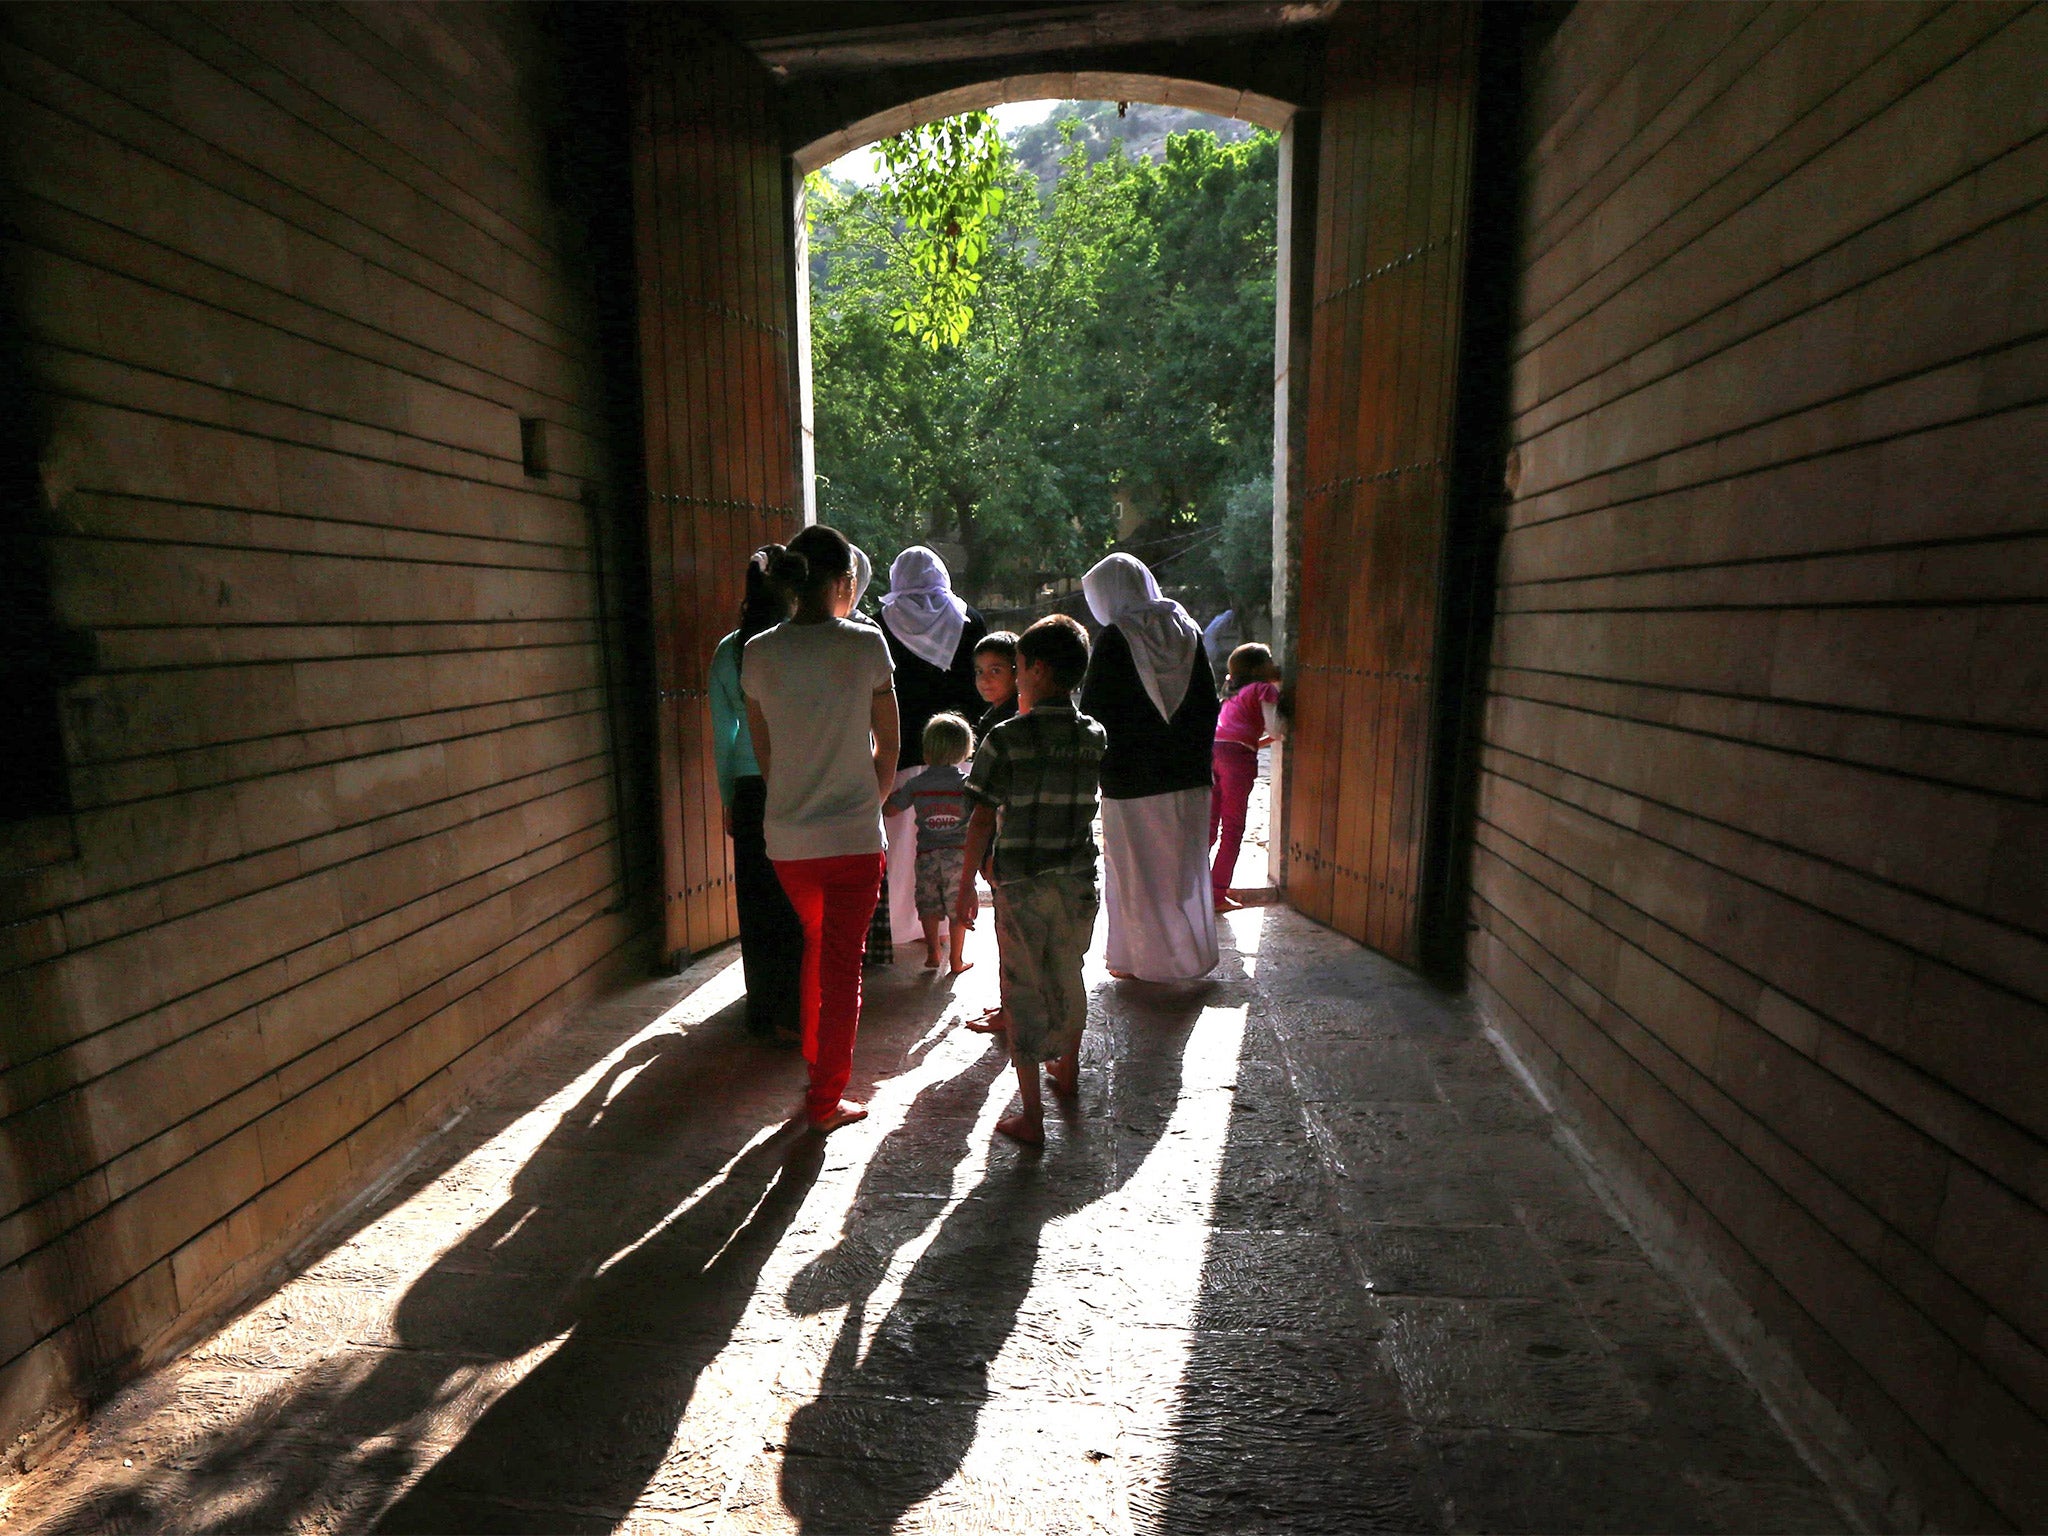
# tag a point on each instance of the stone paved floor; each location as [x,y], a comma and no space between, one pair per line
[1304,1259]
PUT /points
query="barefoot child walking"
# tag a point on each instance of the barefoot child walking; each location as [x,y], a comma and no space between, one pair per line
[1034,787]
[937,795]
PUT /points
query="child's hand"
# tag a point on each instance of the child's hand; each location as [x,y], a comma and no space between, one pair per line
[968,907]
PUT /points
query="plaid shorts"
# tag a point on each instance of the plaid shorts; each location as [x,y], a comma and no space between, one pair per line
[938,880]
[1044,924]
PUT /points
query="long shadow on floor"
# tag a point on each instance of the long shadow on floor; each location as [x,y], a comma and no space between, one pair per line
[891,1426]
[583,1435]
[636,1229]
[586,1429]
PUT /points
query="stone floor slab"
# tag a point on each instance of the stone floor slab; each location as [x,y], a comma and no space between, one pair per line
[1302,1257]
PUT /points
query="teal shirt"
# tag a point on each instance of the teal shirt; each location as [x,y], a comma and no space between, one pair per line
[732,744]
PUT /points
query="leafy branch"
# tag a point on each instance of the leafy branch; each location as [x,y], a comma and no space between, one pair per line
[945,182]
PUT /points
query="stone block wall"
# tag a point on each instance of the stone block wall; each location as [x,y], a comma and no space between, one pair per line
[345,824]
[1763,851]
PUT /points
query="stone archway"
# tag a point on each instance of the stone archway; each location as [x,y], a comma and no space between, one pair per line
[1370,287]
[1071,85]
[1294,240]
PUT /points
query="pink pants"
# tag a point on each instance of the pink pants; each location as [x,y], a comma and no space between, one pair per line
[834,901]
[1237,769]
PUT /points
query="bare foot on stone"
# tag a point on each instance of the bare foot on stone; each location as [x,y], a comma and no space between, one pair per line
[959,966]
[990,1023]
[845,1113]
[1028,1129]
[1065,1076]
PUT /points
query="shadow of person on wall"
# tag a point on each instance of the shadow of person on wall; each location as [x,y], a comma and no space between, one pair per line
[890,1426]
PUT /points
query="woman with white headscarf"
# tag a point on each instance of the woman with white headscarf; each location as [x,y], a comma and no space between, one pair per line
[1150,687]
[932,636]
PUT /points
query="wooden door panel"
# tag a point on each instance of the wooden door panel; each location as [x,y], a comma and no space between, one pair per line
[1393,189]
[717,370]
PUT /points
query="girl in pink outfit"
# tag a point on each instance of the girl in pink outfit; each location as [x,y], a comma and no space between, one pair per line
[1250,718]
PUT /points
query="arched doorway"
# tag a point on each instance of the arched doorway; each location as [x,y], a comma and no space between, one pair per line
[1250,107]
[1371,276]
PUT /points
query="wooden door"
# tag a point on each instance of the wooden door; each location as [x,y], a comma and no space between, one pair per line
[712,215]
[1393,187]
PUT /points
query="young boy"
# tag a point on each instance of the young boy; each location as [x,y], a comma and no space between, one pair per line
[995,678]
[1033,787]
[937,796]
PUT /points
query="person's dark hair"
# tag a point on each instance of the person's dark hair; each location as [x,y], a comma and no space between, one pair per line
[1247,659]
[1001,642]
[765,603]
[815,558]
[1062,644]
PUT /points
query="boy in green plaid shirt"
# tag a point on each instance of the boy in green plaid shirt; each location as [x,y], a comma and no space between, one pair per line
[1034,788]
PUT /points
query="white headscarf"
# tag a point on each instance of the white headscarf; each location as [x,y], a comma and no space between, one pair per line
[863,573]
[920,608]
[1162,637]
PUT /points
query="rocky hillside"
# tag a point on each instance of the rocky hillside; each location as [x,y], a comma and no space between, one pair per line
[1142,129]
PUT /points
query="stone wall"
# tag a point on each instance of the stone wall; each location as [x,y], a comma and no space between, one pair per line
[345,821]
[1762,845]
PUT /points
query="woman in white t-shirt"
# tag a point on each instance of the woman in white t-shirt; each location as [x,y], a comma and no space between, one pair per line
[821,708]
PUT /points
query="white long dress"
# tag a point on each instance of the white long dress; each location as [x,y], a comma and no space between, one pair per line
[1155,862]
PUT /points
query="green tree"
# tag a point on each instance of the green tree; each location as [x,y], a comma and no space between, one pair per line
[944,183]
[1120,338]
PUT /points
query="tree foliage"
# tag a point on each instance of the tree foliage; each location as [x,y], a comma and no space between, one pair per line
[1119,344]
[943,182]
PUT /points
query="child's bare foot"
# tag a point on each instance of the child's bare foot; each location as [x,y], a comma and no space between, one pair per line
[1123,975]
[1028,1129]
[845,1112]
[1229,904]
[1065,1076]
[959,966]
[990,1023]
[931,960]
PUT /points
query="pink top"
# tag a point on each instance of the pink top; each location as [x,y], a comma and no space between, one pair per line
[1250,715]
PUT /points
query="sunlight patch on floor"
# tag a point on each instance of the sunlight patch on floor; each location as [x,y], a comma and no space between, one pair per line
[486,1174]
[1176,1187]
[1244,928]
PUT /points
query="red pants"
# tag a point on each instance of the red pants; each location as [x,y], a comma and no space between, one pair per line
[834,901]
[1237,769]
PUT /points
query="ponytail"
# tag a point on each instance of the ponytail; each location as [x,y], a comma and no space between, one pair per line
[766,601]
